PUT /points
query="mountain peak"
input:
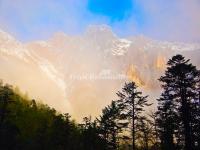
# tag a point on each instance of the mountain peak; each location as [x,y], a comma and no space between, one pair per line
[5,36]
[100,30]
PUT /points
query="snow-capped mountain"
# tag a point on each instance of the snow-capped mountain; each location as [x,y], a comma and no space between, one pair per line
[72,73]
[29,70]
[10,46]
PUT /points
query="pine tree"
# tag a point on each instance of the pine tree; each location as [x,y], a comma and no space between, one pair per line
[5,94]
[144,132]
[90,135]
[8,131]
[196,115]
[166,120]
[155,133]
[180,81]
[132,104]
[110,125]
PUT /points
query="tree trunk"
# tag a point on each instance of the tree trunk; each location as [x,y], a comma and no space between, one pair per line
[133,127]
[186,121]
[114,140]
[3,110]
[133,134]
[146,140]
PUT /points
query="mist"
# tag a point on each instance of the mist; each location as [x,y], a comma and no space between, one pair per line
[72,38]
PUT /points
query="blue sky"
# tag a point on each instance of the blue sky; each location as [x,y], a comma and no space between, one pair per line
[160,19]
[114,10]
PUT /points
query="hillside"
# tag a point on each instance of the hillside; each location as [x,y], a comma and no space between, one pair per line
[63,65]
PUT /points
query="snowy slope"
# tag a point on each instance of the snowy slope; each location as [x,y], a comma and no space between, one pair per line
[98,50]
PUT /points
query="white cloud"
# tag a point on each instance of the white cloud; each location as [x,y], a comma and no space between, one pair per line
[176,20]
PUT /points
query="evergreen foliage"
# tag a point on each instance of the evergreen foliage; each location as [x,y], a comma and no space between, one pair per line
[26,124]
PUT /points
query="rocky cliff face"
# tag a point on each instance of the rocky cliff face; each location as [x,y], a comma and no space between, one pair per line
[81,74]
